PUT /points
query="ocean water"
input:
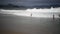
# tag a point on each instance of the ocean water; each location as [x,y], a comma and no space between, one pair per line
[45,13]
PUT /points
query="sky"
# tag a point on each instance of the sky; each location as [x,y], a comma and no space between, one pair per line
[29,2]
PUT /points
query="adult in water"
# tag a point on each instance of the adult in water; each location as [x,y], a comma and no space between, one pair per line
[31,14]
[53,16]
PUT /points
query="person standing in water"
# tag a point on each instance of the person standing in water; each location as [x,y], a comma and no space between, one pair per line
[53,16]
[31,14]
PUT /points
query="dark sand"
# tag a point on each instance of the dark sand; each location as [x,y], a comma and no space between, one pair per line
[11,24]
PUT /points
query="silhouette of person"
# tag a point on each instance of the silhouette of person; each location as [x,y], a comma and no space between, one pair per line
[31,14]
[53,16]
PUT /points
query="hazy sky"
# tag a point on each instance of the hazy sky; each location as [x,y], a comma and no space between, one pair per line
[30,2]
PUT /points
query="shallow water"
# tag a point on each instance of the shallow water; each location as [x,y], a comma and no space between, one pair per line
[29,25]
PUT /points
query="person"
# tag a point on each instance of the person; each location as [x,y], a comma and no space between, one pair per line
[31,14]
[53,16]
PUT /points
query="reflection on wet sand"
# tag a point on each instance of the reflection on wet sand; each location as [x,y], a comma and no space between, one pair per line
[12,24]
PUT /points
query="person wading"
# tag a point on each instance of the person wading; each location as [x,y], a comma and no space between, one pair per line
[53,16]
[31,14]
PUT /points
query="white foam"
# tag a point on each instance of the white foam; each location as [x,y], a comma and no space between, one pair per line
[35,12]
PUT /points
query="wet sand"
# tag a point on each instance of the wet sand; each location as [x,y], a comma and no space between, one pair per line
[12,24]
